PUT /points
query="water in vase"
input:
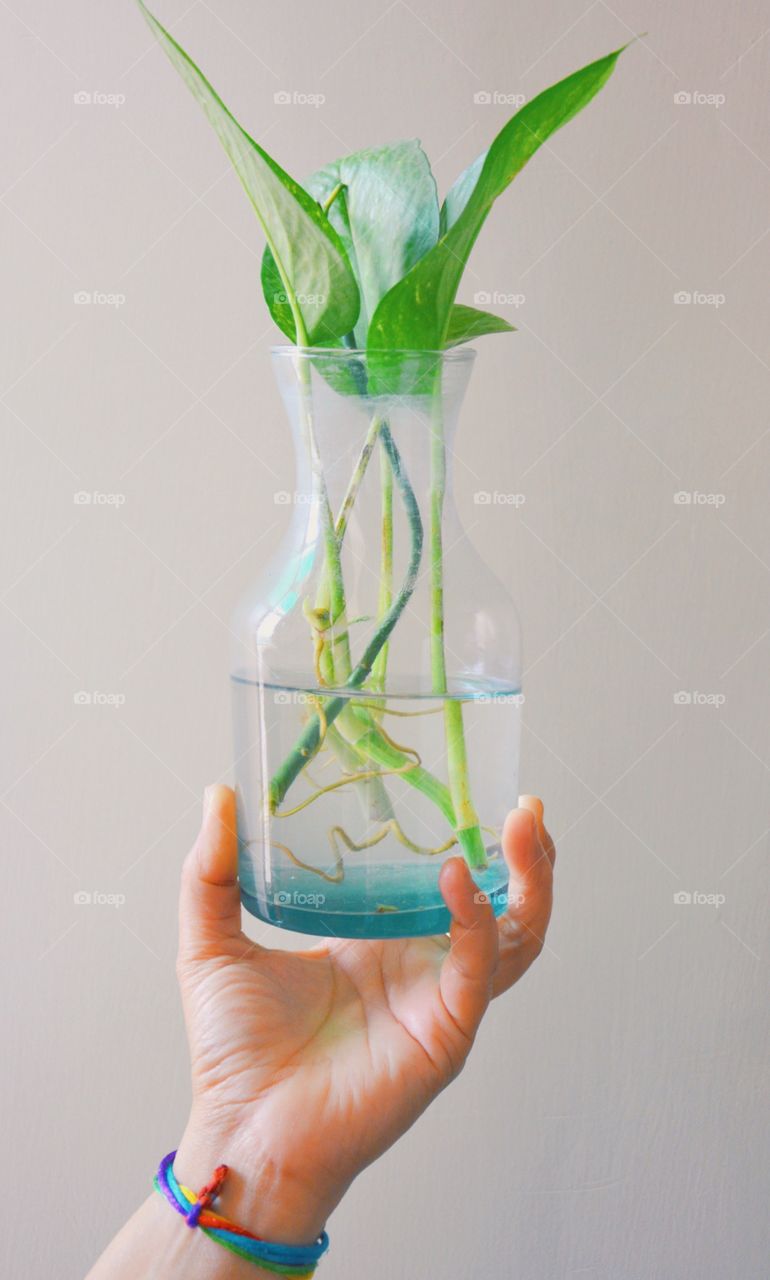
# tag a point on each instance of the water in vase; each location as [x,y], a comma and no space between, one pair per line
[355,846]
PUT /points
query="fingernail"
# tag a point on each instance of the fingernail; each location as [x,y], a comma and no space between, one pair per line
[535,806]
[208,800]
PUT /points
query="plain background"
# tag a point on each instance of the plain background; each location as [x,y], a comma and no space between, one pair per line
[612,1121]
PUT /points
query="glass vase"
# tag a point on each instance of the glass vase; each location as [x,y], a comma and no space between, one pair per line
[376,675]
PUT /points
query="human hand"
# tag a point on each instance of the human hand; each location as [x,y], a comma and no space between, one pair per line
[307,1065]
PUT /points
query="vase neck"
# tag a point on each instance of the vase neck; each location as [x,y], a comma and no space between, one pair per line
[339,404]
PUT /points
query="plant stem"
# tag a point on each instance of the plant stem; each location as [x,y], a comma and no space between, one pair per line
[342,665]
[468,830]
[357,476]
[357,725]
[332,196]
[334,589]
[386,564]
[310,738]
[335,660]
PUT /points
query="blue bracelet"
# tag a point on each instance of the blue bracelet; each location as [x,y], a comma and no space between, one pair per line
[299,1261]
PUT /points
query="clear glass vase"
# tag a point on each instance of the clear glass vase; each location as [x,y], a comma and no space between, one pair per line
[376,676]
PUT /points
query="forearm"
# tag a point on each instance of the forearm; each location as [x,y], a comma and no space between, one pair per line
[157,1243]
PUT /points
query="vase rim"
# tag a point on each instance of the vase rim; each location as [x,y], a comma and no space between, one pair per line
[454,355]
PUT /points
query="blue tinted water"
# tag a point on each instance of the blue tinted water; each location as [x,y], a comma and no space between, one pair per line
[387,890]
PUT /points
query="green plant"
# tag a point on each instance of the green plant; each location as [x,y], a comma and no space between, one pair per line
[361,257]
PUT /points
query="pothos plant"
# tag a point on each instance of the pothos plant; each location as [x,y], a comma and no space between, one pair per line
[361,257]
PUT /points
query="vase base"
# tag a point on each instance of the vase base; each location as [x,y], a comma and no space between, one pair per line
[382,902]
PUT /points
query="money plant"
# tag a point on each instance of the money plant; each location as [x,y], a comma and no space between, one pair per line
[360,256]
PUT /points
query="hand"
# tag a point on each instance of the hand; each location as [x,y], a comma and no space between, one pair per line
[307,1065]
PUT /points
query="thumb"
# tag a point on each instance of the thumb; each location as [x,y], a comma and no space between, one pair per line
[209,899]
[469,966]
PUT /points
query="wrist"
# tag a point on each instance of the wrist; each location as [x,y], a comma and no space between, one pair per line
[260,1192]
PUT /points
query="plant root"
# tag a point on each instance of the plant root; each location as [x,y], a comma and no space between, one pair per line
[392,827]
[391,711]
[339,868]
[407,751]
[345,781]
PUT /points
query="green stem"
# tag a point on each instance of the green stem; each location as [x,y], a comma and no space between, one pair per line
[468,830]
[333,582]
[335,659]
[377,748]
[332,196]
[357,725]
[386,565]
[310,738]
[341,523]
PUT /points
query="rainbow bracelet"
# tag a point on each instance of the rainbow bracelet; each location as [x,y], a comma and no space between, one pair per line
[283,1259]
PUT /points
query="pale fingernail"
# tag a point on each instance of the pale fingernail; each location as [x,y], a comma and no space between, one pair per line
[535,806]
[208,800]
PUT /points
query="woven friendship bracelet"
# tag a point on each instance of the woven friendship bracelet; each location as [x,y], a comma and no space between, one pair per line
[283,1259]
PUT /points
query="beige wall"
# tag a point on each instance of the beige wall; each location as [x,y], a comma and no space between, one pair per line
[610,1123]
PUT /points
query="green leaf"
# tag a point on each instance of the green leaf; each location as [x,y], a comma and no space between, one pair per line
[278,300]
[310,260]
[386,216]
[459,194]
[466,323]
[415,313]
